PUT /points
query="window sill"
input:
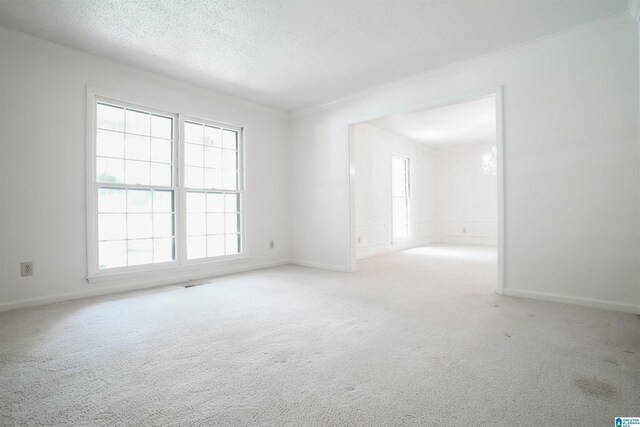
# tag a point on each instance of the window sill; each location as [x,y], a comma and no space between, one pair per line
[177,271]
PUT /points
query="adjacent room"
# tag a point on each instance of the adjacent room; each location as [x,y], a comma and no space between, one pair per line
[319,213]
[425,183]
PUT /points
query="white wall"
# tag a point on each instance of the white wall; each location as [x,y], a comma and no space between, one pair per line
[42,167]
[466,198]
[572,165]
[373,148]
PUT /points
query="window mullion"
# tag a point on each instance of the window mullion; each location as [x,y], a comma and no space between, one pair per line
[181,209]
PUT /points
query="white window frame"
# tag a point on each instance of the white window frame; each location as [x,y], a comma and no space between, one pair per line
[181,263]
[407,198]
[183,190]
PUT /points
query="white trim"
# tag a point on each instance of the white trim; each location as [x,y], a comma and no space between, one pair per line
[331,267]
[500,177]
[566,299]
[387,250]
[165,269]
[135,285]
[497,92]
[591,29]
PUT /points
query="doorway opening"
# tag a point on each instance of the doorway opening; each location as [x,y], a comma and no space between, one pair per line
[429,184]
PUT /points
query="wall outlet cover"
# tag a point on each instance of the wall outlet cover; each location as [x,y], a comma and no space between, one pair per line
[26,268]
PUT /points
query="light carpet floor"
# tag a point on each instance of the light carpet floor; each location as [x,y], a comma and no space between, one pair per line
[414,338]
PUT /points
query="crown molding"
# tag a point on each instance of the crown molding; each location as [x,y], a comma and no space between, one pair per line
[585,31]
[634,10]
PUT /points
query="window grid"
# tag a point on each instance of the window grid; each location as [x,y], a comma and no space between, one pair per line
[154,237]
[126,137]
[209,149]
[130,154]
[230,209]
[113,124]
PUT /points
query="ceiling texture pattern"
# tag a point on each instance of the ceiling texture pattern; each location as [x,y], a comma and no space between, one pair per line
[295,53]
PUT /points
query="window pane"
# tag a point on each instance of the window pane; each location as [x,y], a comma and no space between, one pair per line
[109,170]
[213,136]
[112,254]
[163,250]
[139,226]
[193,155]
[195,202]
[229,139]
[109,144]
[138,147]
[193,177]
[398,178]
[196,247]
[213,157]
[193,133]
[163,201]
[110,117]
[138,122]
[215,202]
[231,223]
[140,252]
[161,151]
[229,180]
[139,201]
[112,200]
[215,223]
[215,246]
[112,226]
[231,203]
[213,178]
[161,127]
[196,224]
[231,244]
[135,147]
[229,160]
[137,172]
[161,174]
[162,225]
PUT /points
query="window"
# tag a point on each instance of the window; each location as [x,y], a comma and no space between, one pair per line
[400,197]
[138,186]
[211,163]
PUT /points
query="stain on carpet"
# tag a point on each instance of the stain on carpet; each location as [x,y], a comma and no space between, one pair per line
[593,387]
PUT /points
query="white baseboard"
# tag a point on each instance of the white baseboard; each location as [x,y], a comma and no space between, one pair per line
[399,246]
[566,299]
[137,285]
[319,265]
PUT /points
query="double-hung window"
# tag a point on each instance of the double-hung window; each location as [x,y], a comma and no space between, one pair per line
[400,197]
[164,191]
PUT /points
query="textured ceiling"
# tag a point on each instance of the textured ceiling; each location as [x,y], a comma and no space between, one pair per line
[471,122]
[295,53]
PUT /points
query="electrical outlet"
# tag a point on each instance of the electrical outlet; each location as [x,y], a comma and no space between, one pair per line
[464,230]
[272,244]
[359,239]
[26,268]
